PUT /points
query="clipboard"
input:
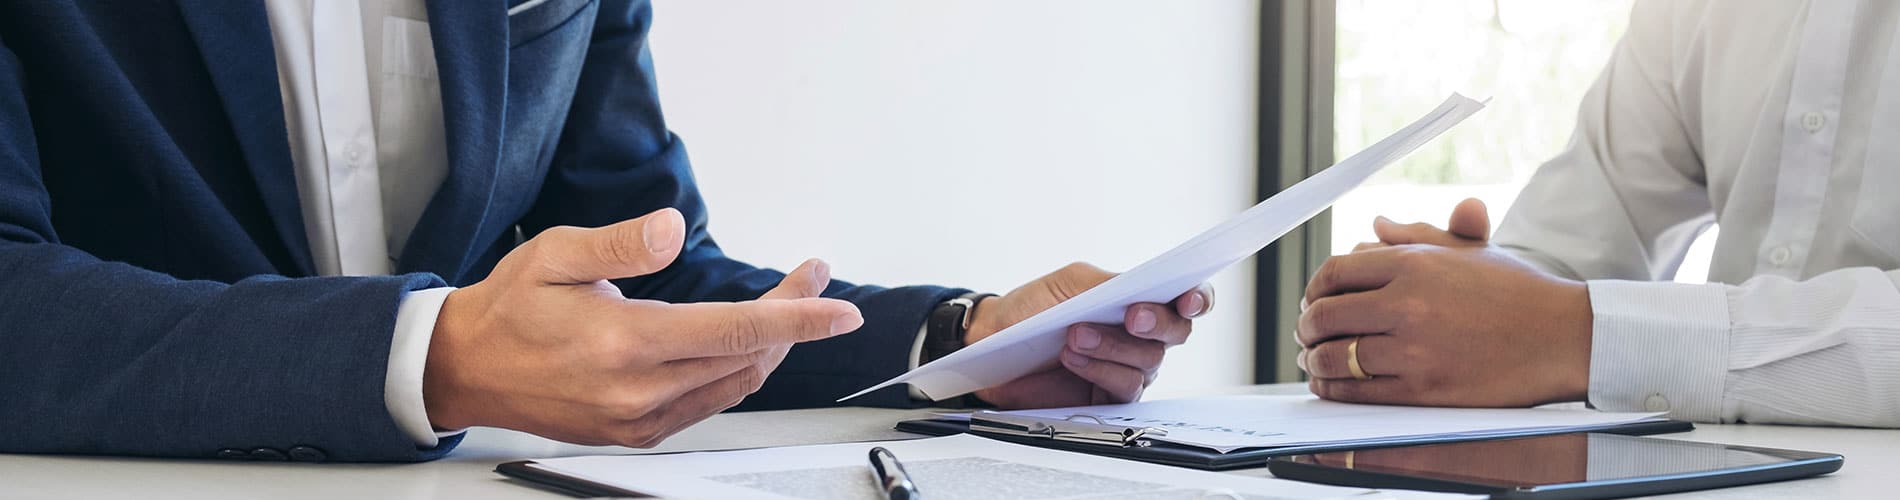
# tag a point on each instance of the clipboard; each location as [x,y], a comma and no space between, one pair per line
[1083,435]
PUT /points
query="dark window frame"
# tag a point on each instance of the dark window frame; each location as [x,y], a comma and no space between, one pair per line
[1297,52]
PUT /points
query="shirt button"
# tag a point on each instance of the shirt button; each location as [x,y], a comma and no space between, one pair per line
[233,454]
[1780,255]
[1813,121]
[268,455]
[1656,402]
[354,154]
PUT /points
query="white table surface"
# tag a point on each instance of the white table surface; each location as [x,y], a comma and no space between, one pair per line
[1872,469]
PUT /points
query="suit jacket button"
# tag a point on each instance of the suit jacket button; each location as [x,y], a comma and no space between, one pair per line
[233,454]
[303,453]
[268,454]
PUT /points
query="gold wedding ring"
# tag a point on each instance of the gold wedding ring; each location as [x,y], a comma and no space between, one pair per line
[1352,360]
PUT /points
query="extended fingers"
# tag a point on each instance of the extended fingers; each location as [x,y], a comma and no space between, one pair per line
[683,375]
[1107,343]
[1120,383]
[808,280]
[681,331]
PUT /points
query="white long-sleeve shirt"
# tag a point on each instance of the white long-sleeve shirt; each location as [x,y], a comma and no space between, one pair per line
[1781,121]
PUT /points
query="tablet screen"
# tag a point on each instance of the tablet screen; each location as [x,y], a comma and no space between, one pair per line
[1555,459]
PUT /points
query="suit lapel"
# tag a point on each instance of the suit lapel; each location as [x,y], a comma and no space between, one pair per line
[235,41]
[471,52]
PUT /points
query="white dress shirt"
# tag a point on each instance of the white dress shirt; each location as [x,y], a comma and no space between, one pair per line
[364,114]
[1781,120]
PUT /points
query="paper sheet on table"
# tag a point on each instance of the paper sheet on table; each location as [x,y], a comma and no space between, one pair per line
[951,467]
[1034,343]
[1234,422]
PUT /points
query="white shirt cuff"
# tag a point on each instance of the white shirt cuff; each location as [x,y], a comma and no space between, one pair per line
[1659,346]
[408,354]
[917,358]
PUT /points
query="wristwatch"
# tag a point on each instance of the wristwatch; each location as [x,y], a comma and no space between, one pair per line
[943,334]
[948,324]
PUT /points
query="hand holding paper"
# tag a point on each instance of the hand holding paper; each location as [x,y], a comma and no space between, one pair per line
[1102,363]
[1035,342]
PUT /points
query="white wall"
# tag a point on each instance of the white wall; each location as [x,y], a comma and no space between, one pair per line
[1046,131]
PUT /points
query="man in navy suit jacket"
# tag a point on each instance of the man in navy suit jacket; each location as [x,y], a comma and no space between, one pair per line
[159,294]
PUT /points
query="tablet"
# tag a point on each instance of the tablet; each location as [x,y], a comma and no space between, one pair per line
[1560,466]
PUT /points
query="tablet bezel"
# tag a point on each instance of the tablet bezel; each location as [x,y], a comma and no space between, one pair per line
[1796,464]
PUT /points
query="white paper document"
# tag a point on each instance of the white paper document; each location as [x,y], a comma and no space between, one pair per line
[1234,422]
[1034,343]
[951,467]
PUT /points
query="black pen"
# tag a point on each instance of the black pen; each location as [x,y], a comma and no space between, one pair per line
[891,477]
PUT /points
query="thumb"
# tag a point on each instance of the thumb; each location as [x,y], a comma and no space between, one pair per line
[1393,233]
[1470,220]
[624,249]
[808,280]
[1469,225]
[1075,278]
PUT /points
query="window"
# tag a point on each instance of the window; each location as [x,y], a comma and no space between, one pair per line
[1398,58]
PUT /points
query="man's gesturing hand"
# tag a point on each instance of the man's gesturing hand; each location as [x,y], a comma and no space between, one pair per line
[546,345]
[1101,363]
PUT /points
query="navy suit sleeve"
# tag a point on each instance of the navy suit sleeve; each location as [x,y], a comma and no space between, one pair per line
[102,357]
[616,160]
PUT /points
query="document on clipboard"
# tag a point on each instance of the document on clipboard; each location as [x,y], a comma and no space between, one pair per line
[945,467]
[1033,343]
[1243,431]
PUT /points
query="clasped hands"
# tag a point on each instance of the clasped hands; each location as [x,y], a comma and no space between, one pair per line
[546,345]
[1439,317]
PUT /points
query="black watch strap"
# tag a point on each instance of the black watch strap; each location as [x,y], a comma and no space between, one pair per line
[943,334]
[948,322]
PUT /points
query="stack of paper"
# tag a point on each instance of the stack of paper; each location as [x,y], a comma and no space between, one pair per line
[1230,423]
[1034,343]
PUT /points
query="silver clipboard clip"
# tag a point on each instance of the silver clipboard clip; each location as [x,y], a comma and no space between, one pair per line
[1081,428]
